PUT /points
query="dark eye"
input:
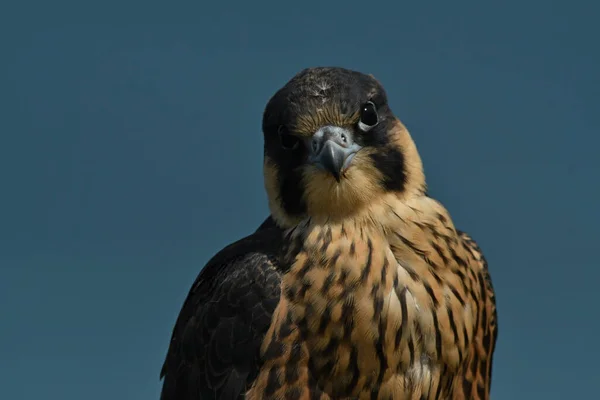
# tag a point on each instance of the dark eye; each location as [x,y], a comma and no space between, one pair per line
[288,141]
[368,116]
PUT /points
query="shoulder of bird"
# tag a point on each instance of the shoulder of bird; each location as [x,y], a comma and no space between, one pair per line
[213,351]
[357,286]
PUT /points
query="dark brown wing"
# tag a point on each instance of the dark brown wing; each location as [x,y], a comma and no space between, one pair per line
[477,379]
[214,349]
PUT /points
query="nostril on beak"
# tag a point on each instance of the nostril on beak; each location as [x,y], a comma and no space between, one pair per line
[332,149]
[335,134]
[315,145]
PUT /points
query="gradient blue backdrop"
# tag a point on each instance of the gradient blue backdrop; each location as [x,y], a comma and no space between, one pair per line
[131,151]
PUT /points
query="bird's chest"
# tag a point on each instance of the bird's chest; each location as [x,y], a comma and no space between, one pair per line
[366,322]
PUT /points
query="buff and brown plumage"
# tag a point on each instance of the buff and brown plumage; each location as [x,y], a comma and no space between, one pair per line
[358,286]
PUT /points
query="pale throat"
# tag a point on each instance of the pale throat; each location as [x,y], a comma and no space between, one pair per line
[378,212]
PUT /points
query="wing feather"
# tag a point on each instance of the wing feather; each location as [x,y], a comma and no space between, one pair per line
[215,345]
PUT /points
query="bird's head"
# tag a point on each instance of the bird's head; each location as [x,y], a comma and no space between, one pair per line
[333,147]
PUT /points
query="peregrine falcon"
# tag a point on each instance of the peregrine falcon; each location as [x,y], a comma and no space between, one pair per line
[357,286]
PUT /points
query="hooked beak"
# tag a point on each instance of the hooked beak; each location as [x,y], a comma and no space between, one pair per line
[332,149]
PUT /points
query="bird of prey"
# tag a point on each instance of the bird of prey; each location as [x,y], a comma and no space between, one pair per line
[357,286]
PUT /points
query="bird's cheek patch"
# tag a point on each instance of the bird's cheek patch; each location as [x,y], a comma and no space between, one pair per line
[274,195]
[363,176]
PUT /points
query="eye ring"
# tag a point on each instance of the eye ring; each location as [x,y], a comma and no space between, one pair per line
[368,117]
[287,140]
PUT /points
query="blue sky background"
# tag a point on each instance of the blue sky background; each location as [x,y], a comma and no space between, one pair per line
[131,151]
